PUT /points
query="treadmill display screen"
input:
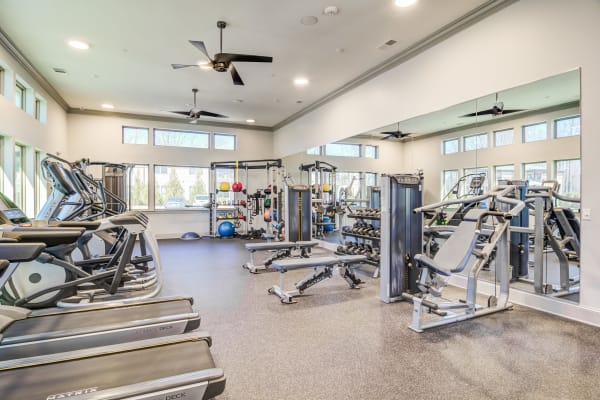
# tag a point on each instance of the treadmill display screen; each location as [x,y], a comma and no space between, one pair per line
[14,214]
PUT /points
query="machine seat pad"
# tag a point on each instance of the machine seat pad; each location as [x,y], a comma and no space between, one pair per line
[298,263]
[49,237]
[279,245]
[17,252]
[87,225]
[351,259]
[474,213]
[454,254]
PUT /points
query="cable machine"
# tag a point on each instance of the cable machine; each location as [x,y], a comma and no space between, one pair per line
[246,203]
[320,179]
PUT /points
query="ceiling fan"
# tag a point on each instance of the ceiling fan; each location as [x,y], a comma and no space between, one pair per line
[397,134]
[224,61]
[497,109]
[194,114]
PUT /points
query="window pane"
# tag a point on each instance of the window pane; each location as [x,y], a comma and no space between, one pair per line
[504,137]
[19,176]
[568,127]
[370,151]
[504,172]
[133,135]
[315,151]
[225,175]
[473,172]
[450,146]
[475,142]
[370,179]
[535,132]
[224,142]
[177,187]
[568,175]
[40,186]
[344,179]
[20,95]
[449,179]
[138,192]
[163,137]
[342,150]
[535,173]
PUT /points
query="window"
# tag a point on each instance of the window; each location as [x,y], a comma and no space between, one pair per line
[225,175]
[565,127]
[535,173]
[450,146]
[38,109]
[224,141]
[342,150]
[371,151]
[568,175]
[314,151]
[165,137]
[370,180]
[475,142]
[473,172]
[449,180]
[132,135]
[349,181]
[20,93]
[19,196]
[2,73]
[504,137]
[504,172]
[177,187]
[535,132]
[40,187]
[138,191]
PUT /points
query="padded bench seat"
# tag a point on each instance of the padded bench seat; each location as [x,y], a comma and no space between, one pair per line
[279,245]
[298,263]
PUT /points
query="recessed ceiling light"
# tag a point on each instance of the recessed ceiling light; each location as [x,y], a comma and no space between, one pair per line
[331,11]
[405,3]
[309,20]
[78,44]
[250,121]
[108,106]
[300,81]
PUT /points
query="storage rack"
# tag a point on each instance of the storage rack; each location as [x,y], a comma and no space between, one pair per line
[374,241]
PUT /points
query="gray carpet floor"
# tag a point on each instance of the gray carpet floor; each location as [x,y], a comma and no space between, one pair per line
[339,343]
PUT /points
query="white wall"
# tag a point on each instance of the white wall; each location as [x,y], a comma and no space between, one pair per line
[528,40]
[99,138]
[18,126]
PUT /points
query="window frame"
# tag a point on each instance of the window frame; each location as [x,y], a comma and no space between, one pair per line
[495,167]
[525,164]
[202,133]
[21,87]
[555,126]
[22,202]
[152,199]
[375,151]
[318,153]
[524,127]
[443,185]
[124,127]
[130,194]
[358,145]
[476,135]
[2,78]
[512,141]
[235,143]
[458,149]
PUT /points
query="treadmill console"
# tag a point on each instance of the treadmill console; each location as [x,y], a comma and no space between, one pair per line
[13,216]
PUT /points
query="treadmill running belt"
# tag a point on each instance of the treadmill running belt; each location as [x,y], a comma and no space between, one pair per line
[108,371]
[95,317]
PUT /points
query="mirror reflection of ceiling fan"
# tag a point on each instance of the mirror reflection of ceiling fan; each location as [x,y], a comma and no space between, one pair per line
[497,109]
[223,61]
[194,114]
[397,134]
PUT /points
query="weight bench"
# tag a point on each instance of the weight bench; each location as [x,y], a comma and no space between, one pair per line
[323,269]
[279,249]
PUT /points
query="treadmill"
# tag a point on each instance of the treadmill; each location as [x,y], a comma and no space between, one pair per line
[172,367]
[24,333]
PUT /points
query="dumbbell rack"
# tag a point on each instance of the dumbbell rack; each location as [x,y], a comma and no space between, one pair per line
[373,239]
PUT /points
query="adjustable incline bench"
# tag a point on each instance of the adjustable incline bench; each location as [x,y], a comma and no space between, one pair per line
[279,249]
[323,269]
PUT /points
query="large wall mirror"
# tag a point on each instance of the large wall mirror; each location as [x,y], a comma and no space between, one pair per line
[528,135]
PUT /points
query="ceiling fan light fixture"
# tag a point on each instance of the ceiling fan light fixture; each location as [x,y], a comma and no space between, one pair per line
[404,3]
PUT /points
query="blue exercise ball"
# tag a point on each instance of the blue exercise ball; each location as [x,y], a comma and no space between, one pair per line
[327,228]
[226,229]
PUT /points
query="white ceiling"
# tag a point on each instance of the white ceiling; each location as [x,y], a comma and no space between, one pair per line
[135,41]
[544,93]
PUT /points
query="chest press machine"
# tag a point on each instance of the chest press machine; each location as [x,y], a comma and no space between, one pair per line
[279,250]
[489,227]
[322,269]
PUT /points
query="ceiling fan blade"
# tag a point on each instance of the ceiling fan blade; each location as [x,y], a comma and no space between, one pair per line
[510,111]
[484,112]
[186,113]
[403,135]
[388,137]
[237,80]
[200,46]
[229,57]
[210,114]
[179,66]
[389,133]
